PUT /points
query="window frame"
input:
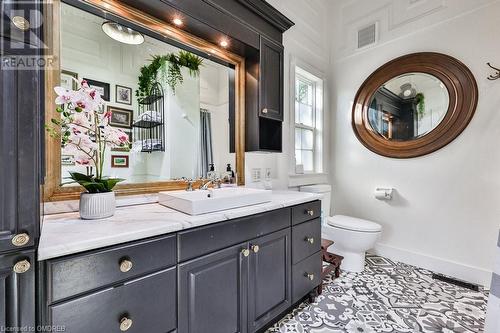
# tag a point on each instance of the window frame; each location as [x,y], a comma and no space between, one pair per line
[313,128]
[321,145]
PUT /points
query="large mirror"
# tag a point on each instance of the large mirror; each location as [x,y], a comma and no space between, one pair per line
[181,121]
[414,105]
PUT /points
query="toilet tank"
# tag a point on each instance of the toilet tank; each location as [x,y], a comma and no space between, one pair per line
[326,191]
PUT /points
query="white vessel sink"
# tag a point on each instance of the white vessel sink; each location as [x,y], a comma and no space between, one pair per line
[213,200]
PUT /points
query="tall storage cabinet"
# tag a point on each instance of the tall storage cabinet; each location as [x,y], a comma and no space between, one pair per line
[20,139]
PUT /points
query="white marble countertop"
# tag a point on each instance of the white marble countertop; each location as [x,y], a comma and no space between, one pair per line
[64,234]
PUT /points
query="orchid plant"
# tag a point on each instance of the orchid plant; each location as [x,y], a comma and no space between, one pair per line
[85,131]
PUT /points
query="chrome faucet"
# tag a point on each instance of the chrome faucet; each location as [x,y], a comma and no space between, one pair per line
[210,182]
[190,183]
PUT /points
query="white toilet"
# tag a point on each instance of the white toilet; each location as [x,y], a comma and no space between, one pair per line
[352,236]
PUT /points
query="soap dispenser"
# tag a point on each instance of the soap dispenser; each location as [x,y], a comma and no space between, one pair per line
[211,173]
[229,178]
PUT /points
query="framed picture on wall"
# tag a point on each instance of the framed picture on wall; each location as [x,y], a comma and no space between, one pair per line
[68,80]
[120,117]
[125,149]
[123,95]
[119,161]
[68,160]
[101,87]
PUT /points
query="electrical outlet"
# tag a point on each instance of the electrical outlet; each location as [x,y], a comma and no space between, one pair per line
[268,173]
[256,174]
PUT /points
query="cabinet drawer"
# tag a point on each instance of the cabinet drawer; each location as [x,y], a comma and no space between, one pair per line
[149,302]
[73,275]
[306,212]
[306,275]
[204,240]
[306,240]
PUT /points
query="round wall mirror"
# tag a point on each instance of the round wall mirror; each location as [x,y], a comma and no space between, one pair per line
[414,105]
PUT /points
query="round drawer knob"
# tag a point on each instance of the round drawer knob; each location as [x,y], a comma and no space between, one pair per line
[255,248]
[264,110]
[125,324]
[245,252]
[310,240]
[310,212]
[310,276]
[22,266]
[125,265]
[20,239]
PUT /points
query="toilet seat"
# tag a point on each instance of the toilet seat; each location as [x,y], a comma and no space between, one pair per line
[354,224]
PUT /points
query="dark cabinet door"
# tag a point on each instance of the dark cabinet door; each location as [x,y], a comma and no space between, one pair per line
[269,282]
[271,80]
[19,154]
[212,292]
[17,292]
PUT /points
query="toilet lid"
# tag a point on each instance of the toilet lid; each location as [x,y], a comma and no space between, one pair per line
[352,223]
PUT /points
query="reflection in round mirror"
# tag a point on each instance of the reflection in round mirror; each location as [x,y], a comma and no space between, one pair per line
[408,106]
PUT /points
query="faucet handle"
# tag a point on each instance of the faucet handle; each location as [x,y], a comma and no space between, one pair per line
[190,183]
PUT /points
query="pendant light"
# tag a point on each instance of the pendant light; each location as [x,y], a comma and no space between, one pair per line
[122,34]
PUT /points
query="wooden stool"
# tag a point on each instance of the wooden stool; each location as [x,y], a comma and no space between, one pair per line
[333,260]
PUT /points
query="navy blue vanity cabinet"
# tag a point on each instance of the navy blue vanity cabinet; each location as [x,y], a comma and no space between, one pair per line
[130,287]
[306,249]
[213,292]
[234,276]
[19,156]
[17,292]
[269,286]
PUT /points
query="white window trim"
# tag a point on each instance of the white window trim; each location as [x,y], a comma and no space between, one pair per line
[295,179]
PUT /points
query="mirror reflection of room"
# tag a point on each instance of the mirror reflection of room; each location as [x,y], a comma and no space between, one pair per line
[408,107]
[177,118]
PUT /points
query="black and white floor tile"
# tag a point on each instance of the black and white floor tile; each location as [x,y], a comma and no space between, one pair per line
[388,297]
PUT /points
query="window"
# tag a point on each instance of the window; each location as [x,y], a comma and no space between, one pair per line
[308,121]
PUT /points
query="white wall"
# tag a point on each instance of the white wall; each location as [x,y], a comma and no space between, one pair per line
[308,41]
[445,215]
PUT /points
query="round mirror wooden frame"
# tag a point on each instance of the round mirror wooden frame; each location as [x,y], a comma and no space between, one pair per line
[463,96]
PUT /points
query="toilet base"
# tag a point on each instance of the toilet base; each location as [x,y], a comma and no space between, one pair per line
[353,262]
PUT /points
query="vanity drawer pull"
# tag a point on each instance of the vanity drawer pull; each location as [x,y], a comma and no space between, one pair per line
[22,266]
[125,324]
[309,212]
[20,239]
[245,252]
[310,240]
[310,276]
[125,265]
[264,110]
[255,248]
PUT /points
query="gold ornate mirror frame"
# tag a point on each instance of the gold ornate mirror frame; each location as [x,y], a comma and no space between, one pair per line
[53,191]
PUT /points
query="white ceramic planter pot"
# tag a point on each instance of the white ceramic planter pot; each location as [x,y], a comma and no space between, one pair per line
[95,206]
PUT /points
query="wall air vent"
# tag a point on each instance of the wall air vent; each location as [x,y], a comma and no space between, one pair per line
[367,35]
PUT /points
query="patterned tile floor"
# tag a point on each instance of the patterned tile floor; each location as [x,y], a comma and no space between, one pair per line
[388,297]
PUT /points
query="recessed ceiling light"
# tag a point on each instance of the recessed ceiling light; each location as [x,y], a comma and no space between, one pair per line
[224,43]
[407,92]
[21,23]
[177,21]
[122,34]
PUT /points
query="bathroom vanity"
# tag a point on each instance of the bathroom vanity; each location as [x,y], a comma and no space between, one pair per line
[154,269]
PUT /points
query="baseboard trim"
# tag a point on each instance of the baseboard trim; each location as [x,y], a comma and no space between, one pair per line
[438,265]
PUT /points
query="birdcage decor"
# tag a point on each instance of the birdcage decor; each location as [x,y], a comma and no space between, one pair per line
[149,126]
